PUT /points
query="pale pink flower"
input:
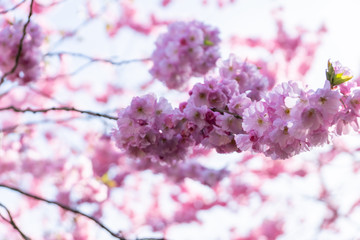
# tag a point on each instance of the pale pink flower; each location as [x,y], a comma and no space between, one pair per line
[186,50]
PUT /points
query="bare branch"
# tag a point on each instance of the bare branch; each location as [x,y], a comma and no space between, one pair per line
[94,59]
[12,223]
[41,93]
[70,109]
[74,31]
[20,45]
[67,208]
[13,8]
[73,73]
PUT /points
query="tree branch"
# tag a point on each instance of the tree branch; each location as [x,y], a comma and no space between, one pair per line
[67,208]
[73,73]
[63,207]
[74,31]
[20,45]
[70,109]
[43,94]
[94,59]
[225,111]
[13,8]
[12,223]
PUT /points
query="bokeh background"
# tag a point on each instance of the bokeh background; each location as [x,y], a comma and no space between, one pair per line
[57,155]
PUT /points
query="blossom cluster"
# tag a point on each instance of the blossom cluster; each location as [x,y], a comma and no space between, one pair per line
[28,68]
[289,120]
[186,50]
[246,74]
[234,112]
[151,130]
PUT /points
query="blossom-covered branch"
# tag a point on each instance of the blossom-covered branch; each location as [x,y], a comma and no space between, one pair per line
[12,222]
[234,112]
[70,109]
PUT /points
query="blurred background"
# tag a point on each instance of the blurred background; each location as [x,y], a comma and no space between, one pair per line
[71,157]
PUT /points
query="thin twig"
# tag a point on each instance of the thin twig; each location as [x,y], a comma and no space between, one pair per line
[70,109]
[94,59]
[20,45]
[43,94]
[76,71]
[91,61]
[343,103]
[225,111]
[12,222]
[20,3]
[72,33]
[13,8]
[6,92]
[67,208]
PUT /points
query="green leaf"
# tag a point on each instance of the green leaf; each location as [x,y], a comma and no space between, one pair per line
[339,79]
[207,42]
[335,79]
[330,72]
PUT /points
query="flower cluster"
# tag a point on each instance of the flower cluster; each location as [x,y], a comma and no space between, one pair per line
[207,112]
[246,74]
[211,117]
[289,120]
[151,130]
[225,113]
[186,50]
[28,68]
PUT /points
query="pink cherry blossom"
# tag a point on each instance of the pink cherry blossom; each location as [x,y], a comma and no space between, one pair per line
[29,64]
[186,50]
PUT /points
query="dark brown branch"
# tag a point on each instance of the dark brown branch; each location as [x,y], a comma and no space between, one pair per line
[12,222]
[94,59]
[225,111]
[67,208]
[13,8]
[70,109]
[20,45]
